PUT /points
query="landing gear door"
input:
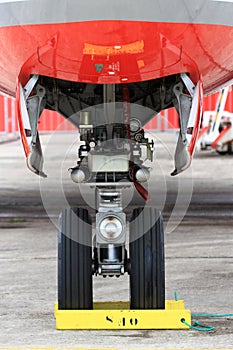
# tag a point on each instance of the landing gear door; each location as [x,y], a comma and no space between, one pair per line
[28,113]
[189,128]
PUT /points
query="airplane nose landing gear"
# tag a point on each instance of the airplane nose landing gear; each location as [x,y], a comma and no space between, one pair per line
[110,160]
[112,157]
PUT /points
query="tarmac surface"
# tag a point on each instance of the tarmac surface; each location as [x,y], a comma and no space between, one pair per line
[198,212]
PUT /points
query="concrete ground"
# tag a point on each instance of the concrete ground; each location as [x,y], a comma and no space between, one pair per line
[198,211]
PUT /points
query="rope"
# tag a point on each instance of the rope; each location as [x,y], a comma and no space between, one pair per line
[197,326]
[212,315]
[176,296]
[200,328]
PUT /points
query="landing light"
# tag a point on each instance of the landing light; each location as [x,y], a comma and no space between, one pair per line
[111,227]
[135,125]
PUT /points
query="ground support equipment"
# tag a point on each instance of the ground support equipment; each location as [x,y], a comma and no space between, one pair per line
[117,315]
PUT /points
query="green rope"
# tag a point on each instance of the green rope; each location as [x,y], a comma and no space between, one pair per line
[212,315]
[200,328]
[197,326]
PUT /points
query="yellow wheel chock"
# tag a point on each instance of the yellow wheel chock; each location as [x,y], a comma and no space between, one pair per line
[117,315]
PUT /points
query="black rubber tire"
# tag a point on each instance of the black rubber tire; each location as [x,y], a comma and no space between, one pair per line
[147,275]
[222,153]
[75,260]
[228,151]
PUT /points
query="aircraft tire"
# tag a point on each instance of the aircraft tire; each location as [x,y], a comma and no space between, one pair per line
[75,260]
[222,153]
[222,150]
[147,275]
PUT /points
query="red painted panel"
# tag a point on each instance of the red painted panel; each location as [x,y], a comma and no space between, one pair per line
[2,120]
[165,120]
[126,50]
[52,121]
[10,121]
[229,101]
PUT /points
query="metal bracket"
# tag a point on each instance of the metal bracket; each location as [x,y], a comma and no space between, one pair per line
[34,110]
[30,85]
[184,107]
[109,205]
[188,83]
